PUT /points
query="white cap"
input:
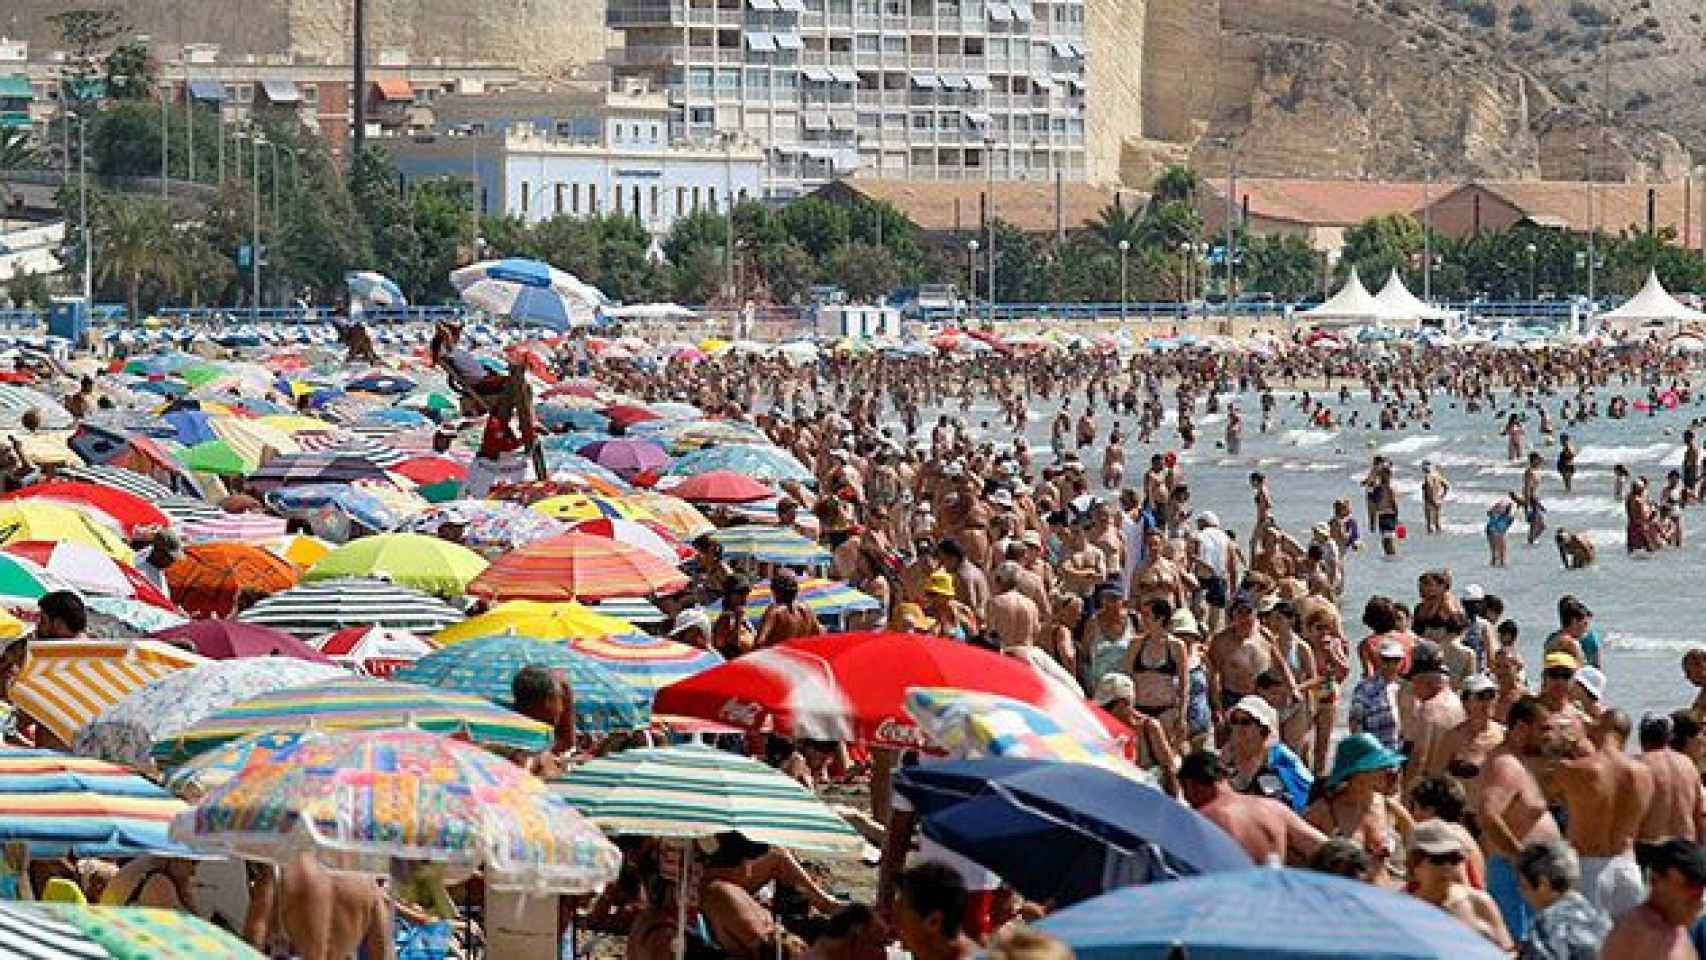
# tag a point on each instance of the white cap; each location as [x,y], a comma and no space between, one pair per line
[1208,518]
[692,618]
[1478,683]
[1260,710]
[1114,686]
[1474,592]
[1390,648]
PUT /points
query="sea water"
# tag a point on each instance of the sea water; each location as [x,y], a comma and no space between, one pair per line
[1648,609]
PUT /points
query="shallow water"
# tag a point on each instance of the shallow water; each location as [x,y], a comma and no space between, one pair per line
[1645,607]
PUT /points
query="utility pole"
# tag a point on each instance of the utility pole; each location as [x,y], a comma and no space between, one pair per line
[83,215]
[989,208]
[255,235]
[165,135]
[1231,250]
[1427,230]
[358,95]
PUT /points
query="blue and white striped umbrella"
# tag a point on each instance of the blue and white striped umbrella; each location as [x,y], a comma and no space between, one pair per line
[370,289]
[529,291]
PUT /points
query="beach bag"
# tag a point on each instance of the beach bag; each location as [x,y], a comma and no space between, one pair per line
[431,941]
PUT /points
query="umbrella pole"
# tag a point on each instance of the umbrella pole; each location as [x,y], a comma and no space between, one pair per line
[681,901]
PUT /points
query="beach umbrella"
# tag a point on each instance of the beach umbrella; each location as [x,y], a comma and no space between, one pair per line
[541,621]
[357,703]
[233,639]
[79,806]
[440,479]
[852,686]
[124,732]
[413,560]
[15,401]
[829,598]
[338,795]
[769,544]
[367,448]
[36,520]
[118,618]
[1264,913]
[202,524]
[65,931]
[67,683]
[196,776]
[576,566]
[766,463]
[646,664]
[487,525]
[649,535]
[122,479]
[23,581]
[295,423]
[575,507]
[313,467]
[373,289]
[373,651]
[300,550]
[626,456]
[207,578]
[317,501]
[381,382]
[528,291]
[968,725]
[720,486]
[83,568]
[681,517]
[122,509]
[696,791]
[216,457]
[627,414]
[485,666]
[1063,832]
[312,609]
[132,456]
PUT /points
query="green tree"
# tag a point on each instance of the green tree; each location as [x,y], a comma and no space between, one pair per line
[1379,245]
[379,204]
[789,271]
[87,36]
[1177,184]
[696,231]
[18,149]
[1114,223]
[29,289]
[131,240]
[865,271]
[1021,265]
[1168,226]
[1285,266]
[698,275]
[439,217]
[1084,270]
[818,225]
[569,243]
[130,71]
[625,271]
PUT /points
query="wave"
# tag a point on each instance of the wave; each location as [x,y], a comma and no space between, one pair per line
[1305,437]
[1633,642]
[1609,455]
[1579,504]
[1409,445]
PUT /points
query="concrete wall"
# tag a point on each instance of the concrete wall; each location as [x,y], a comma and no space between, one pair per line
[678,181]
[1113,114]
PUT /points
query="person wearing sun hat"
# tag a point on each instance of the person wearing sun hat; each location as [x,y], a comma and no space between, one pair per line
[948,616]
[1355,803]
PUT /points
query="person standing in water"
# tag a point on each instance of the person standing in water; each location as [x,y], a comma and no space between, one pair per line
[1566,462]
[1435,487]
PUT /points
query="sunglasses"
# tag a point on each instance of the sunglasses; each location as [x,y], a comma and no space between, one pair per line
[1558,673]
[1443,859]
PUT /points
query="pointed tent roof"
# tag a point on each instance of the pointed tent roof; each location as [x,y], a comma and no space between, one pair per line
[1397,297]
[1653,302]
[1353,304]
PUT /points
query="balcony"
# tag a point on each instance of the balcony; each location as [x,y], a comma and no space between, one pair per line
[646,15]
[659,55]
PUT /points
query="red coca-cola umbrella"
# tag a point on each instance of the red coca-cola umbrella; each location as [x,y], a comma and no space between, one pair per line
[126,510]
[852,686]
[721,486]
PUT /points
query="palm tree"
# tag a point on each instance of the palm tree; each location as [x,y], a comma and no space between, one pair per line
[1114,223]
[1177,184]
[133,242]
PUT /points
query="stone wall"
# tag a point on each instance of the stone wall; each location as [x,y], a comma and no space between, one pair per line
[1114,67]
[1178,67]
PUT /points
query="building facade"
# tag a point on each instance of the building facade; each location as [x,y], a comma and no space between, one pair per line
[903,89]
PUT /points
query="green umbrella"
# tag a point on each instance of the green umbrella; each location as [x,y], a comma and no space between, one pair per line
[216,456]
[201,374]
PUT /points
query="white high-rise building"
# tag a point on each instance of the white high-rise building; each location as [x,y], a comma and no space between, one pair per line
[913,89]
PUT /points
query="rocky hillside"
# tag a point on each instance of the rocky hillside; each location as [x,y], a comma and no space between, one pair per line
[1391,88]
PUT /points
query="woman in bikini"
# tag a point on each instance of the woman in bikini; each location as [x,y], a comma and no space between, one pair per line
[1159,666]
[1357,804]
[1326,638]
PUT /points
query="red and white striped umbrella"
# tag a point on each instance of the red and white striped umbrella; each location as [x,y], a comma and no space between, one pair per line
[375,651]
[649,535]
[91,570]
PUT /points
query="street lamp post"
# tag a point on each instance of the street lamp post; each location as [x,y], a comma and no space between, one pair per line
[971,268]
[1125,248]
[1532,294]
[989,180]
[1427,231]
[1587,185]
[83,214]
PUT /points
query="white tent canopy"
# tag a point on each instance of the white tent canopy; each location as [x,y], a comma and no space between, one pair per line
[1653,304]
[1353,305]
[1398,298]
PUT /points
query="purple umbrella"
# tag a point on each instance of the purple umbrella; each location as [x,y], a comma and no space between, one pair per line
[626,456]
[232,640]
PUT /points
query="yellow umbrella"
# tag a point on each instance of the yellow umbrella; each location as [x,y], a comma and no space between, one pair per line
[37,520]
[294,422]
[575,507]
[298,549]
[712,345]
[11,628]
[412,560]
[543,621]
[67,683]
[682,518]
[251,438]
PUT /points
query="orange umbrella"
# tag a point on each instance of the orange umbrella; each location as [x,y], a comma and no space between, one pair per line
[573,566]
[208,577]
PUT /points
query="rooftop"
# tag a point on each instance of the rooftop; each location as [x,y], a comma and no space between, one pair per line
[1026,204]
[1321,202]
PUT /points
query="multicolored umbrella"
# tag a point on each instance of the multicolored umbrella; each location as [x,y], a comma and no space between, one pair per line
[233,639]
[312,609]
[852,686]
[208,577]
[528,291]
[361,800]
[299,468]
[23,581]
[129,617]
[64,931]
[968,725]
[81,806]
[373,651]
[36,520]
[487,525]
[767,544]
[576,566]
[823,597]
[485,666]
[87,570]
[127,511]
[67,683]
[765,463]
[720,486]
[681,517]
[358,703]
[575,507]
[645,663]
[125,460]
[308,501]
[541,621]
[698,791]
[195,777]
[125,732]
[649,535]
[413,560]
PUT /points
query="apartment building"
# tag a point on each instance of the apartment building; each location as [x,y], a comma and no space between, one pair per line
[898,89]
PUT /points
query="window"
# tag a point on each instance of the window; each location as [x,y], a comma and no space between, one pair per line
[921,121]
[616,198]
[728,81]
[712,192]
[636,201]
[757,79]
[655,192]
[575,197]
[695,199]
[680,201]
[524,194]
[699,78]
[592,198]
[557,192]
[894,121]
[867,43]
[894,44]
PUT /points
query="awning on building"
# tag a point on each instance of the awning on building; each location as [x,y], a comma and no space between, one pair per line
[980,119]
[760,40]
[394,89]
[821,155]
[1022,12]
[1000,12]
[789,41]
[16,86]
[207,91]
[817,75]
[1042,82]
[844,74]
[1062,49]
[792,6]
[950,82]
[281,91]
[979,83]
[762,4]
[924,81]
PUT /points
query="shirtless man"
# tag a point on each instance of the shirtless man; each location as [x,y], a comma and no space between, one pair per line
[1013,618]
[1263,499]
[1512,812]
[1575,550]
[1083,565]
[787,618]
[1659,929]
[1435,488]
[329,915]
[1428,710]
[1607,795]
[1238,655]
[1267,829]
[1679,804]
[1438,856]
[965,517]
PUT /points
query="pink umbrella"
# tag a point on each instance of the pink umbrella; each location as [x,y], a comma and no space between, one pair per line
[233,639]
[626,456]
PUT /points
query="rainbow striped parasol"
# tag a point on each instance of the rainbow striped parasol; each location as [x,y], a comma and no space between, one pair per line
[80,806]
[576,566]
[646,663]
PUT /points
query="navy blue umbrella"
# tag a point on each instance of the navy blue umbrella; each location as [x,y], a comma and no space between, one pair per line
[1264,913]
[1063,832]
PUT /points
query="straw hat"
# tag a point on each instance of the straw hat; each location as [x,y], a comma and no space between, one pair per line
[940,583]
